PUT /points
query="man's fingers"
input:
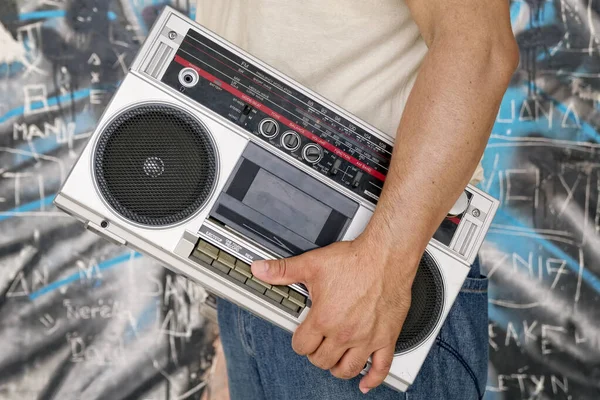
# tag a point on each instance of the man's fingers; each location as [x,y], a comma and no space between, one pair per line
[351,363]
[306,339]
[284,271]
[327,355]
[380,367]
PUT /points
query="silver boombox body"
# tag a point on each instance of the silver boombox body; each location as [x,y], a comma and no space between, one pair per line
[207,159]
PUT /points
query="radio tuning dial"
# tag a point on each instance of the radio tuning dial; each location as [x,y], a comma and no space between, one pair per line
[268,127]
[312,153]
[290,141]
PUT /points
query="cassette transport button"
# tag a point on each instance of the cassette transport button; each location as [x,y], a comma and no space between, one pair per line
[297,298]
[290,305]
[206,252]
[256,286]
[282,290]
[224,262]
[243,268]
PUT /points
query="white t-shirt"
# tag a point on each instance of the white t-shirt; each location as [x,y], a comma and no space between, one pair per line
[362,55]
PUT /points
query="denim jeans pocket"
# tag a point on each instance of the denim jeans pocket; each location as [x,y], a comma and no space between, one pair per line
[464,336]
[475,285]
[456,367]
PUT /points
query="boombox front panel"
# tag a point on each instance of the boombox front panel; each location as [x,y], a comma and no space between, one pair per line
[229,132]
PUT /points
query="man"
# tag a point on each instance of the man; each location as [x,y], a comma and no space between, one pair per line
[431,73]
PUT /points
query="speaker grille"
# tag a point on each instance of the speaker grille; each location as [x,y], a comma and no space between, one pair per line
[426,305]
[155,165]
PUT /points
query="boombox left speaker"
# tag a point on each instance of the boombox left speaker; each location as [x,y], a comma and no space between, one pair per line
[155,165]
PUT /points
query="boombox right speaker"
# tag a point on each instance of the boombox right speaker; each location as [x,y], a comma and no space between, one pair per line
[427,303]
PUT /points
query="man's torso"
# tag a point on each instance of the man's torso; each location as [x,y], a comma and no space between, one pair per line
[363,56]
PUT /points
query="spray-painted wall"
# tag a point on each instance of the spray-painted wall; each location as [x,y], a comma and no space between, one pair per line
[543,252]
[80,318]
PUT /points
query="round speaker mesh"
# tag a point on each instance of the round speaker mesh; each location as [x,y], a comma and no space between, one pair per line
[426,305]
[155,165]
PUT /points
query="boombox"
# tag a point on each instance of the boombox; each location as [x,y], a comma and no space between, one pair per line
[207,159]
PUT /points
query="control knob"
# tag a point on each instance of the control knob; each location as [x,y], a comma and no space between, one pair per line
[290,141]
[269,128]
[312,153]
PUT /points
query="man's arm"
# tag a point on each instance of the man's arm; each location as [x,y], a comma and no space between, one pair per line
[361,289]
[449,114]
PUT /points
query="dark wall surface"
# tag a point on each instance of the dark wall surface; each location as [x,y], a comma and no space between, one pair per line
[83,319]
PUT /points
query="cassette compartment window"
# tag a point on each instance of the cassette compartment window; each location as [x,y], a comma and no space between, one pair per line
[281,207]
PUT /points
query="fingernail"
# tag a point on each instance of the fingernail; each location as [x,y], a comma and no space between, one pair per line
[365,390]
[262,267]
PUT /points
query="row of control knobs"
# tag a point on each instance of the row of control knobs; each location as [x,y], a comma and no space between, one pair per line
[313,153]
[290,140]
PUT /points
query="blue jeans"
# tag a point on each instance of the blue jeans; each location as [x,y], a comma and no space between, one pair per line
[261,363]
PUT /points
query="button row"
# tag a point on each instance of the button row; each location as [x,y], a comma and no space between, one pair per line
[241,273]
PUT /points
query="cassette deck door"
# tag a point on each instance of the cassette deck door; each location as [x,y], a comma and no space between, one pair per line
[282,208]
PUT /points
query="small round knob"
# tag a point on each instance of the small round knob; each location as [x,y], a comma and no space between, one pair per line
[460,206]
[268,127]
[290,140]
[312,153]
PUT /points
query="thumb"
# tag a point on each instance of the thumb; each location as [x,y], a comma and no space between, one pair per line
[284,271]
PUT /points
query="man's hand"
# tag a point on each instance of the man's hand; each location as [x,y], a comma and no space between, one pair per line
[360,296]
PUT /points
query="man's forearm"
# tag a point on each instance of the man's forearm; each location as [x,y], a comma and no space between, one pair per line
[441,138]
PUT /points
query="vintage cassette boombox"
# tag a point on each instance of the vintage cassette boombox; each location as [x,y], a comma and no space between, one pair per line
[206,159]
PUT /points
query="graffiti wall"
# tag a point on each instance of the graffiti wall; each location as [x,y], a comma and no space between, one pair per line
[81,318]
